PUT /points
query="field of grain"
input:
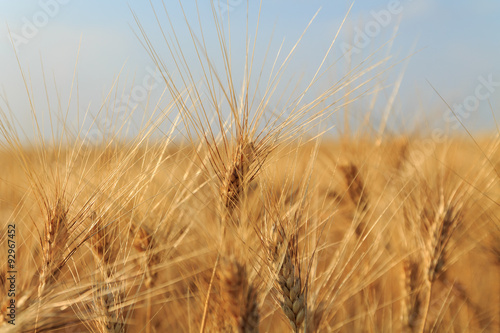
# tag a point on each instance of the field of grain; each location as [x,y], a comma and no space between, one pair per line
[332,236]
[246,221]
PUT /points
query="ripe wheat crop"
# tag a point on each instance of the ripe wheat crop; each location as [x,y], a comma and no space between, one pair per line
[253,218]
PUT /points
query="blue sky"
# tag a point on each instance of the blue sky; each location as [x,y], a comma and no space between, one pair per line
[457,43]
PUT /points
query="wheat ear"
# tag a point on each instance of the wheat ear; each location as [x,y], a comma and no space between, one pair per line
[54,243]
[414,299]
[239,297]
[357,192]
[289,281]
[144,243]
[238,175]
[446,219]
[108,296]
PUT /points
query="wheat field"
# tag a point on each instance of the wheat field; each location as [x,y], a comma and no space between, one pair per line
[249,223]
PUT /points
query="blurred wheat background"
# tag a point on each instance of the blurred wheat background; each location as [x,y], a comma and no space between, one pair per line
[245,199]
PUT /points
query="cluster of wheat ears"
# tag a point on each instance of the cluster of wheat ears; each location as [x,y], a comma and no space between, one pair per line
[246,222]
